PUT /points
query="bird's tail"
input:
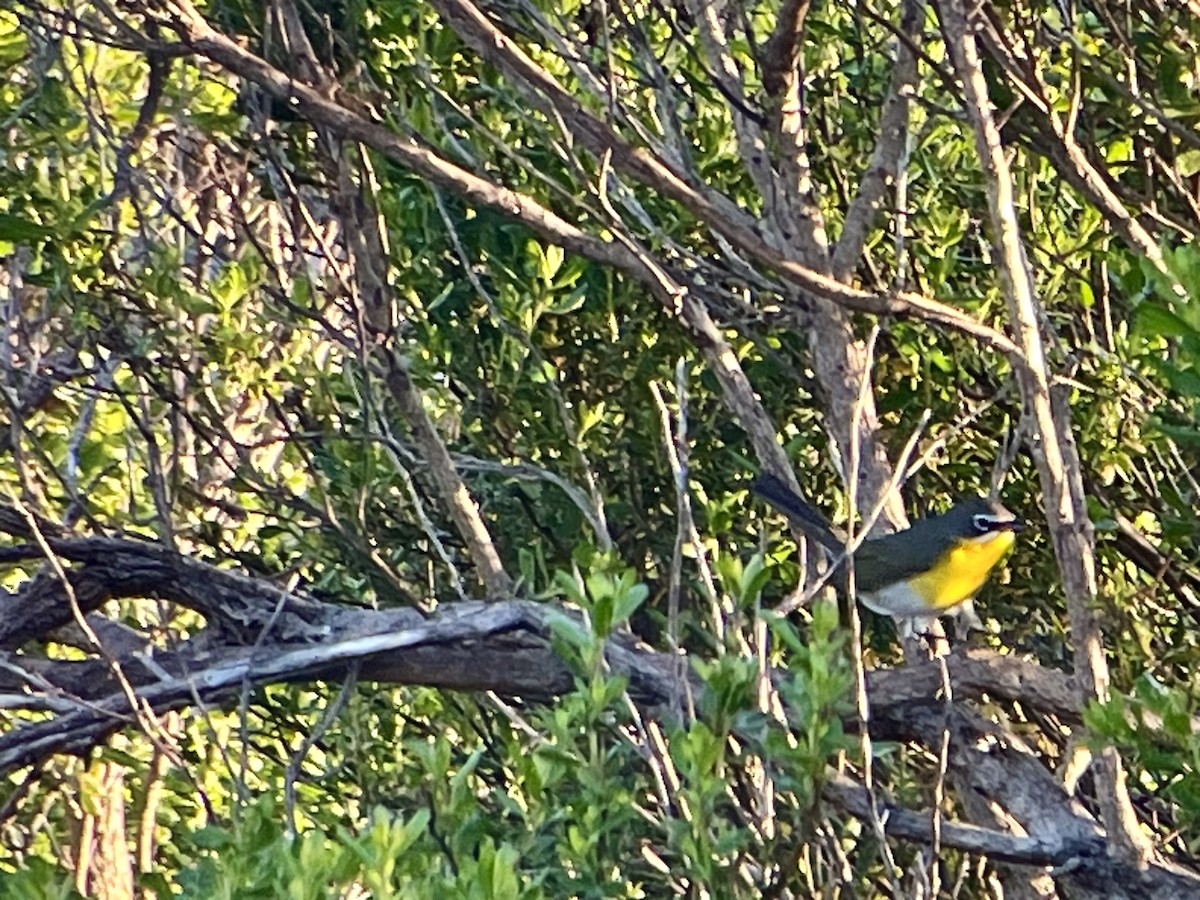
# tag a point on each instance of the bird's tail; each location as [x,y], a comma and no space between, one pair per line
[788,502]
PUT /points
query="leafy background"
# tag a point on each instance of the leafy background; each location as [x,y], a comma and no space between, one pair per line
[188,363]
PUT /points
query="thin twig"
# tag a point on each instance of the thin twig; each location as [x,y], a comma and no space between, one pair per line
[862,704]
[328,717]
[939,783]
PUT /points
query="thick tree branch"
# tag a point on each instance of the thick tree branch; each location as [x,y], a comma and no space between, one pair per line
[238,606]
[996,768]
[977,673]
[1052,850]
[793,198]
[781,52]
[505,647]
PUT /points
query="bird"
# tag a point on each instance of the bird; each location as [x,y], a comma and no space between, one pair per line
[931,569]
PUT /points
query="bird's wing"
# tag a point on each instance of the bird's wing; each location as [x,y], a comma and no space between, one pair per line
[877,563]
[895,557]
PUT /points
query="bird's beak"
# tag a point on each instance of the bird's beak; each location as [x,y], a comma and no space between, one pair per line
[1013,525]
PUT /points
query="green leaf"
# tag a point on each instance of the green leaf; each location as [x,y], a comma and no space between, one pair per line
[569,629]
[1184,434]
[19,229]
[570,303]
[1152,318]
[1188,162]
[628,602]
[210,837]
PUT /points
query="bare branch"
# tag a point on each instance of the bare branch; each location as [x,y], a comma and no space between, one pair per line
[462,507]
[845,794]
[505,647]
[1054,450]
[883,169]
[119,567]
[781,52]
[792,199]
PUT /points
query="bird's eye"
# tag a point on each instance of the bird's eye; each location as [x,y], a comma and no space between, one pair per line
[982,523]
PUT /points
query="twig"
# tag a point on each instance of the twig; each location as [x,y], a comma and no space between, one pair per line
[686,531]
[462,507]
[328,717]
[862,703]
[939,784]
[527,471]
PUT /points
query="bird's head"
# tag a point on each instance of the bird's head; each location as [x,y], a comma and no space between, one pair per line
[979,519]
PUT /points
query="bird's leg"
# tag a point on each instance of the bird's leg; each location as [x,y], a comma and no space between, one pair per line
[966,619]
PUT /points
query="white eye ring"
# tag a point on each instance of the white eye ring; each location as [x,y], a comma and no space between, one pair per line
[983,523]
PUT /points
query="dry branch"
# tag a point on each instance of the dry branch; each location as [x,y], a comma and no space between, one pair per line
[320,110]
[890,146]
[504,646]
[1054,451]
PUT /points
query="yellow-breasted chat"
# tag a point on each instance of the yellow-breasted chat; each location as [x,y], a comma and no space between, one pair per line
[928,570]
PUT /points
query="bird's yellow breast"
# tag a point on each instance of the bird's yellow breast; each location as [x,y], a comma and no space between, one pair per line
[962,571]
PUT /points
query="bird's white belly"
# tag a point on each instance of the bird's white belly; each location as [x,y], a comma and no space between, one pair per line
[913,613]
[897,600]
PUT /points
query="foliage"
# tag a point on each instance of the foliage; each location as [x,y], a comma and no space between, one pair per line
[1155,727]
[192,362]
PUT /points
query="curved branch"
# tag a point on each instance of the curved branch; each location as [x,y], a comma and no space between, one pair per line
[107,568]
[845,794]
[998,770]
[504,646]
